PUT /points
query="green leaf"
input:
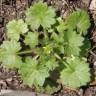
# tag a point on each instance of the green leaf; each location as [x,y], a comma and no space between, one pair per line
[51,64]
[76,73]
[8,55]
[80,20]
[49,87]
[86,47]
[12,61]
[40,14]
[32,73]
[58,38]
[31,39]
[15,28]
[61,27]
[48,49]
[73,42]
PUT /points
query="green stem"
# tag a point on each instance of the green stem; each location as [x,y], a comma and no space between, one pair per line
[57,56]
[93,48]
[46,34]
[93,53]
[25,52]
[66,64]
[90,51]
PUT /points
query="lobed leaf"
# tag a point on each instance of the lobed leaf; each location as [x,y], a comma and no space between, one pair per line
[73,42]
[76,73]
[40,14]
[31,39]
[51,64]
[62,25]
[78,20]
[8,54]
[32,74]
[15,28]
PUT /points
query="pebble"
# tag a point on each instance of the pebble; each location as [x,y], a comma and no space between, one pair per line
[92,5]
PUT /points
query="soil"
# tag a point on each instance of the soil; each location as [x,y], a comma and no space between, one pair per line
[14,9]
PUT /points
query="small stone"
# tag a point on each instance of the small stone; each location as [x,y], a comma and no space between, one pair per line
[92,5]
[94,63]
[9,79]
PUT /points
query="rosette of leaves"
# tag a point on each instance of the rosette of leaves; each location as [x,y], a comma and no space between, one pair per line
[46,54]
[15,28]
[76,73]
[40,14]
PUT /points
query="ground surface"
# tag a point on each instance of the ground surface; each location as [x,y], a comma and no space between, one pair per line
[10,9]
